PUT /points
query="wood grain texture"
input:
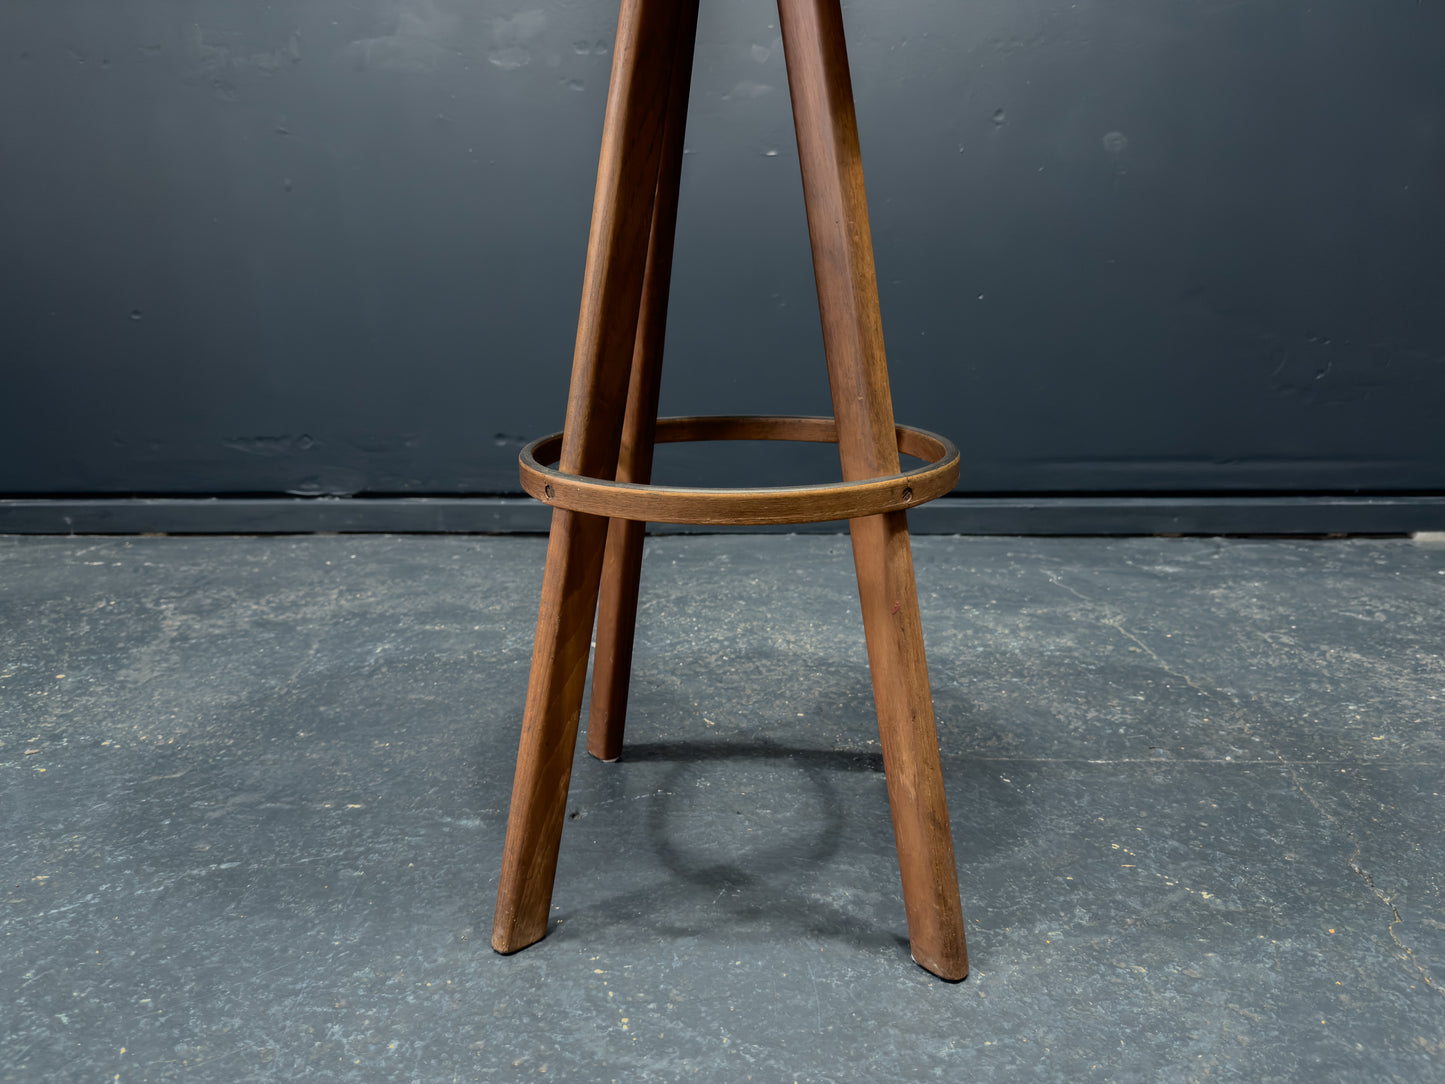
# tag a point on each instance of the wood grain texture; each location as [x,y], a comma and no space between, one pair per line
[758,505]
[821,88]
[622,564]
[606,331]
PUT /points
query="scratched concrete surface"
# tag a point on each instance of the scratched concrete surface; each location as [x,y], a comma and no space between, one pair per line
[255,791]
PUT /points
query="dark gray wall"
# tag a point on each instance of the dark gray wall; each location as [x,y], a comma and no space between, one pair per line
[335,246]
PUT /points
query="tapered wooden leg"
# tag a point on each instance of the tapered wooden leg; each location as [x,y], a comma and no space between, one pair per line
[627,175]
[622,566]
[910,743]
[822,96]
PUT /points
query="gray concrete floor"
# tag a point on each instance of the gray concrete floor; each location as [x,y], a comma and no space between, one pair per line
[255,791]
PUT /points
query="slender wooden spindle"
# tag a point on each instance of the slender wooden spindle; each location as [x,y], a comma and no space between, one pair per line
[622,566]
[832,166]
[647,34]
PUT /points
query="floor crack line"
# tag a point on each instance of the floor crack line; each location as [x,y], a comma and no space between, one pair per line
[1354,865]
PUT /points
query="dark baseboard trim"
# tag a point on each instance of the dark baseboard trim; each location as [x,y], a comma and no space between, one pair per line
[276,515]
[520,515]
[1181,515]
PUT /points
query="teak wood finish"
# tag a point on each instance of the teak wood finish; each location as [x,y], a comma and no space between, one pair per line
[600,493]
[624,500]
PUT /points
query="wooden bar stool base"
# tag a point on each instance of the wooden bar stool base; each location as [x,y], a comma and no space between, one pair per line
[599,487]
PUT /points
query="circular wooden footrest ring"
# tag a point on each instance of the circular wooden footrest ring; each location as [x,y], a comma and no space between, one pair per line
[745,507]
